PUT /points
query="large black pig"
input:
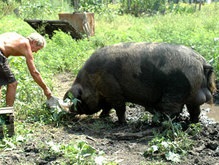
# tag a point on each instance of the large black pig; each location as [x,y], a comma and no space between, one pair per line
[159,76]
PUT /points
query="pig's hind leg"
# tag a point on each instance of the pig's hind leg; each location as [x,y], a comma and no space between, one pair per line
[203,95]
[194,111]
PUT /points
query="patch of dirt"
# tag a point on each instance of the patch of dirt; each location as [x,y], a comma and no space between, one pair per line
[62,83]
[124,144]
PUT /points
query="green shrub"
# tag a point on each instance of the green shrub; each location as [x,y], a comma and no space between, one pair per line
[173,143]
[41,9]
[7,8]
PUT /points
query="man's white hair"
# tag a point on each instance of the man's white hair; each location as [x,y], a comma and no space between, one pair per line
[38,38]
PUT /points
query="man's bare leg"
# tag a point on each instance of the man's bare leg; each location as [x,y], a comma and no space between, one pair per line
[10,94]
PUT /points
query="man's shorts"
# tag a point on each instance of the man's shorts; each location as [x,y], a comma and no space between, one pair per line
[6,76]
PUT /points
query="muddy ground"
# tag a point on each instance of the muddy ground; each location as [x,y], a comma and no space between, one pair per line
[124,144]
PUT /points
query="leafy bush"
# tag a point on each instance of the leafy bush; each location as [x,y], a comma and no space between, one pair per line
[138,7]
[7,8]
[173,142]
[64,53]
[42,9]
[80,153]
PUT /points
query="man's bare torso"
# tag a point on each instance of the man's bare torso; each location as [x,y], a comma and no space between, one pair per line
[12,44]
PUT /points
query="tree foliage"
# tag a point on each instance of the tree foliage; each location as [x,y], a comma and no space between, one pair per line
[134,7]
